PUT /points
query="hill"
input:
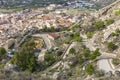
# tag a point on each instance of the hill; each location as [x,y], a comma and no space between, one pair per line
[29,3]
[87,50]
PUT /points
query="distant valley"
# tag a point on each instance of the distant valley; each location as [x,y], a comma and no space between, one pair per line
[42,3]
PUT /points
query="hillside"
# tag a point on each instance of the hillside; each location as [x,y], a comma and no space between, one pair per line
[99,32]
[56,44]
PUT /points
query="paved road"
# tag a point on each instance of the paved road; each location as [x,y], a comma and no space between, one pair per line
[67,51]
[46,39]
[105,65]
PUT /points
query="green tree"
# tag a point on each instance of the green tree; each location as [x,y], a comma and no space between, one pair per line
[25,59]
[29,44]
[92,56]
[117,31]
[89,34]
[114,34]
[59,53]
[2,51]
[90,69]
[72,51]
[116,61]
[80,58]
[95,54]
[45,28]
[86,53]
[78,39]
[117,13]
[98,25]
[111,46]
[77,34]
[76,26]
[109,21]
[49,59]
[51,29]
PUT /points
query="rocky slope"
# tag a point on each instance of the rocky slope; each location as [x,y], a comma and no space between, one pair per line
[99,40]
[107,13]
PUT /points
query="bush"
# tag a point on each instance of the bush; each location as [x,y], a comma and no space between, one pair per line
[78,39]
[49,59]
[86,53]
[72,51]
[80,58]
[25,59]
[99,24]
[117,31]
[117,13]
[116,61]
[110,21]
[2,52]
[111,46]
[59,53]
[77,34]
[89,34]
[90,69]
[2,66]
[114,34]
[95,54]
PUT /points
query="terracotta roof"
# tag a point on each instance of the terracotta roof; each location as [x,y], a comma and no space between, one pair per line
[52,35]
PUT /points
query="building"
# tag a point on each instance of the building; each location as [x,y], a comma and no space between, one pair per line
[41,55]
[51,7]
[52,36]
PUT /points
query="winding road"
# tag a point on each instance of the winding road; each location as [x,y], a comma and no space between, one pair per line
[55,65]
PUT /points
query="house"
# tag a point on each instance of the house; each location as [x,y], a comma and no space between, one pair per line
[51,7]
[58,11]
[52,36]
[41,55]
